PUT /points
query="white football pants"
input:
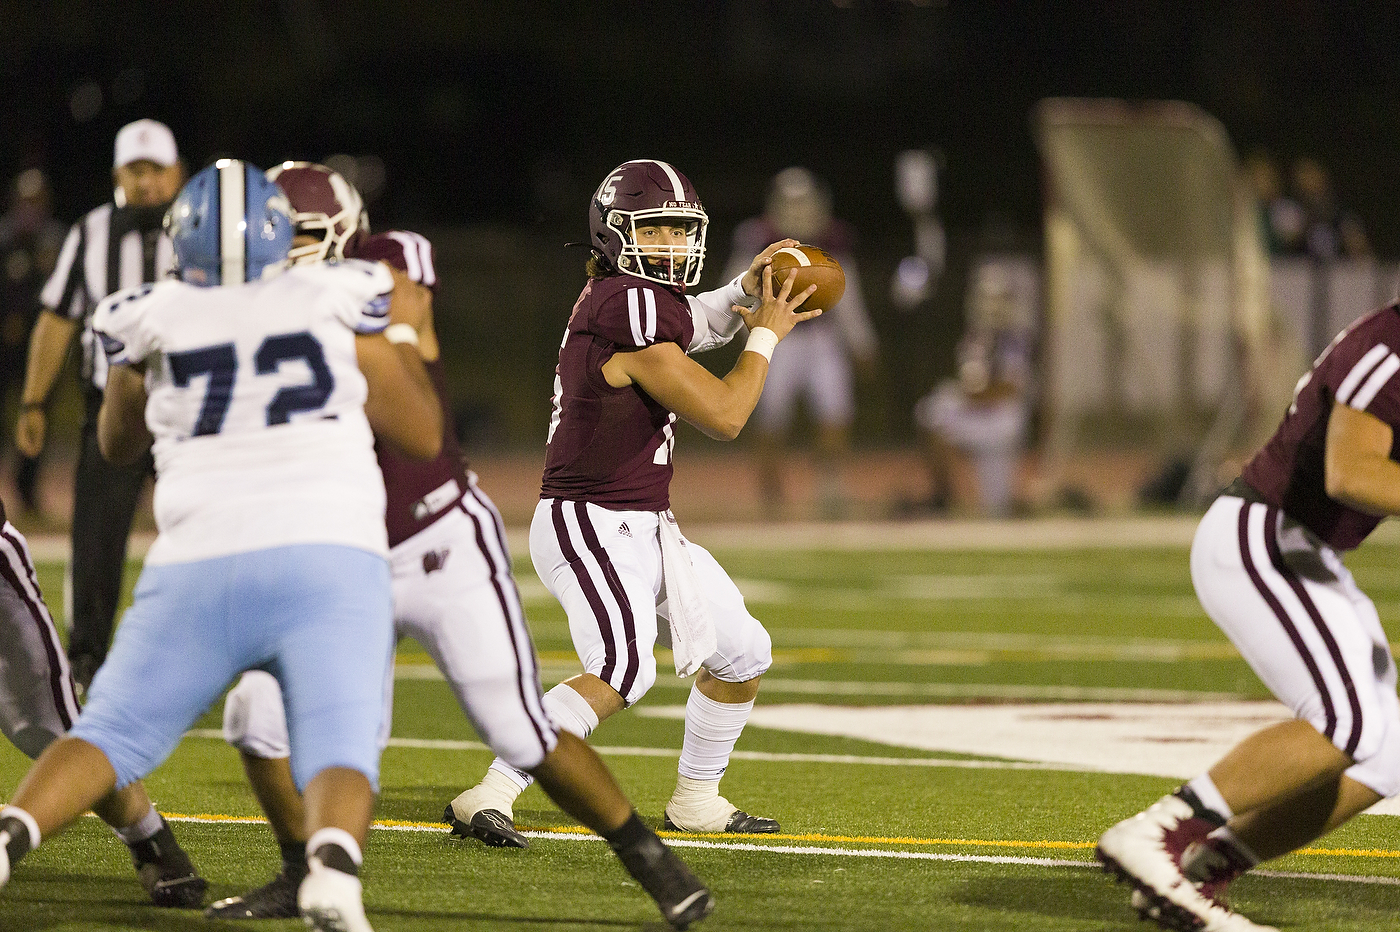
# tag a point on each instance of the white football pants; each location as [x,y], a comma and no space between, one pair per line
[604,567]
[455,595]
[1296,615]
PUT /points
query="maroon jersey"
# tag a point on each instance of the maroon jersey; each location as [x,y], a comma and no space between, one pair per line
[612,446]
[1358,370]
[410,253]
[417,492]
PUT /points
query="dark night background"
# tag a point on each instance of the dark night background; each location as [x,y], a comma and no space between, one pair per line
[496,121]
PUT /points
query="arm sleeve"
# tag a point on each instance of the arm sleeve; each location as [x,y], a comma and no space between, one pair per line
[65,293]
[361,295]
[121,324]
[715,323]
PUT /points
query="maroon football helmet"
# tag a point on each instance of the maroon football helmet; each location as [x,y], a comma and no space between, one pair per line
[324,205]
[634,195]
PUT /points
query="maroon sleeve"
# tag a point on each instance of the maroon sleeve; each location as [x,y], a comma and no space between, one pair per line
[634,314]
[1363,369]
[410,253]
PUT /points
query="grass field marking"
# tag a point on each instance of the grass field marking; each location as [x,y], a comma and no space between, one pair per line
[453,744]
[902,840]
[1152,532]
[780,684]
[698,839]
[1350,852]
[1028,692]
[1343,878]
[942,648]
[679,840]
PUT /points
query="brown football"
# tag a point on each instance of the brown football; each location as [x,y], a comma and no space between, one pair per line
[812,266]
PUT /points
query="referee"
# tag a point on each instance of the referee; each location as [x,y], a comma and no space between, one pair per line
[118,245]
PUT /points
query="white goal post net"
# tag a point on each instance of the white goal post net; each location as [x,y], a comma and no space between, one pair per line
[1158,331]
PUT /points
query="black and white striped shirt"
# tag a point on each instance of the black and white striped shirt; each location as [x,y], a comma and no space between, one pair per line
[109,249]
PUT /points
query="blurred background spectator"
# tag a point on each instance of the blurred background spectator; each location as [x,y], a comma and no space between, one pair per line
[30,239]
[1280,217]
[1329,231]
[818,361]
[442,119]
[981,417]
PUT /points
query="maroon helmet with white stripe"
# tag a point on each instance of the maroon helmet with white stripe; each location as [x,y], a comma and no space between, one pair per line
[324,205]
[639,193]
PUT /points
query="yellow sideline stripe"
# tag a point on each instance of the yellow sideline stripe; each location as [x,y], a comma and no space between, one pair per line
[1351,852]
[815,837]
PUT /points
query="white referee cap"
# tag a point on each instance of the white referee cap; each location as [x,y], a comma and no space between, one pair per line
[148,140]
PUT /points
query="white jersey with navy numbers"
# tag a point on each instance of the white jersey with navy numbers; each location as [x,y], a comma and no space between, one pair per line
[256,403]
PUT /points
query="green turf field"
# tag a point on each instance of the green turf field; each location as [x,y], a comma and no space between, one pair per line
[877,835]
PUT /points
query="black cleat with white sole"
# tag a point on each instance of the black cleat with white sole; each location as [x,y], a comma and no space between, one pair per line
[681,896]
[490,826]
[166,871]
[276,899]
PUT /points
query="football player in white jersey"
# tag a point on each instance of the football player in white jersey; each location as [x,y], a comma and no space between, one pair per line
[258,387]
[454,593]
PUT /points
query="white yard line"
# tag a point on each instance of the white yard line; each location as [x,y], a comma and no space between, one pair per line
[451,744]
[823,851]
[1130,532]
[887,689]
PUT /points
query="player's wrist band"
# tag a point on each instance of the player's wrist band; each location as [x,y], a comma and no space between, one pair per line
[32,406]
[401,333]
[761,341]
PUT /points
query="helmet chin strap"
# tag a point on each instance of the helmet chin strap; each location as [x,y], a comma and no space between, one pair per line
[665,266]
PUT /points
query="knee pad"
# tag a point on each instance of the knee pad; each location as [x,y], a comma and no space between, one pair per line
[745,651]
[570,712]
[1378,762]
[1381,771]
[645,679]
[255,720]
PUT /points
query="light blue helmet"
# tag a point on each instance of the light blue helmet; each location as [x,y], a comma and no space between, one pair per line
[229,225]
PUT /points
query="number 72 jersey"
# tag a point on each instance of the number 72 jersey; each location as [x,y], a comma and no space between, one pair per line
[256,403]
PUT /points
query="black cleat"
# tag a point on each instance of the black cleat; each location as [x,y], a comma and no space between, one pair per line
[84,668]
[491,826]
[276,899]
[681,896]
[166,872]
[740,823]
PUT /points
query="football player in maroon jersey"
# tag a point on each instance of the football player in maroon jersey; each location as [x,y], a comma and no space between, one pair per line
[453,593]
[39,703]
[1266,563]
[603,539]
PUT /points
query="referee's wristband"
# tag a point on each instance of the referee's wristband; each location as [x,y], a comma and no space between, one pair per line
[761,341]
[401,333]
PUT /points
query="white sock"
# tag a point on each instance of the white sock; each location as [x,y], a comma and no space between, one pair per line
[142,829]
[497,790]
[333,836]
[570,711]
[1206,791]
[711,731]
[15,812]
[504,779]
